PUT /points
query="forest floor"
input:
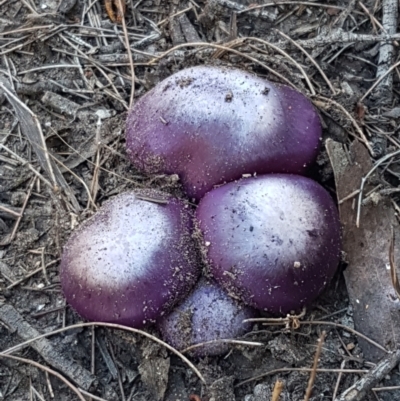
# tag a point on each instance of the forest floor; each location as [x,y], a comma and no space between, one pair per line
[66,76]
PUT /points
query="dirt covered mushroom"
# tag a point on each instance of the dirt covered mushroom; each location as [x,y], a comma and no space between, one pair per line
[132,261]
[211,125]
[273,241]
[207,314]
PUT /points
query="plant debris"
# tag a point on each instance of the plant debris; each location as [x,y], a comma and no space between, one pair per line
[69,71]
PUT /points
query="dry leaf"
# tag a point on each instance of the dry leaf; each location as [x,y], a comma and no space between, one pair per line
[375,304]
[154,370]
[393,272]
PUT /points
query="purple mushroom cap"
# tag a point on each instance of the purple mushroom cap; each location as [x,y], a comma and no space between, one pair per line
[273,241]
[210,125]
[207,314]
[132,261]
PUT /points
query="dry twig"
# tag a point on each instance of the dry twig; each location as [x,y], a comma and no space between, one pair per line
[383,90]
[128,50]
[9,238]
[358,391]
[314,368]
[47,370]
[222,341]
[285,321]
[328,82]
[352,119]
[110,325]
[44,347]
[278,387]
[304,370]
[228,49]
[115,10]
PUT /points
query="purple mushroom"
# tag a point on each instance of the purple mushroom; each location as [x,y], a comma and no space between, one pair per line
[208,314]
[132,261]
[273,241]
[211,125]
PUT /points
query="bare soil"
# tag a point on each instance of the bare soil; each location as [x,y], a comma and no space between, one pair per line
[66,79]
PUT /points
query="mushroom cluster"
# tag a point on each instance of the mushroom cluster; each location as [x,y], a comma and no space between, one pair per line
[269,242]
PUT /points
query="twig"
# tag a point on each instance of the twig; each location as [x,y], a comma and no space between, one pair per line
[29,7]
[345,13]
[35,392]
[228,49]
[46,312]
[342,365]
[46,369]
[37,173]
[253,11]
[372,17]
[342,37]
[119,14]
[12,212]
[279,50]
[278,387]
[359,390]
[151,199]
[27,119]
[100,68]
[170,17]
[63,105]
[44,266]
[252,8]
[383,90]
[92,396]
[121,387]
[313,374]
[129,51]
[29,30]
[378,81]
[319,322]
[93,351]
[9,238]
[84,158]
[386,388]
[94,187]
[108,360]
[30,274]
[328,82]
[305,370]
[49,386]
[90,199]
[354,122]
[349,196]
[111,325]
[224,341]
[47,67]
[44,347]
